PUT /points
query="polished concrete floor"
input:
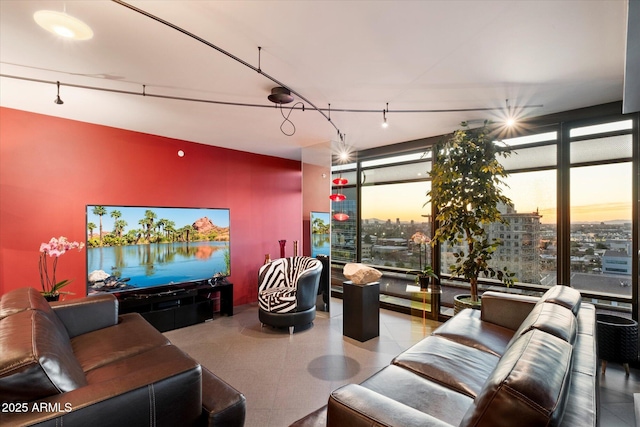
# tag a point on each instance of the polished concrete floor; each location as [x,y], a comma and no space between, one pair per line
[284,377]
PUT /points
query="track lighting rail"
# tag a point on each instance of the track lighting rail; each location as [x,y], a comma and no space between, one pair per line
[243,104]
[229,54]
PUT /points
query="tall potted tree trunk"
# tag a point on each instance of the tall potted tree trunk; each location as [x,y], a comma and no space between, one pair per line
[466,180]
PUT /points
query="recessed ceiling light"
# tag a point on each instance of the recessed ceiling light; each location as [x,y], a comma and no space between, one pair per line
[64,25]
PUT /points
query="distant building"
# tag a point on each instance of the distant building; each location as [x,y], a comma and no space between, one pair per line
[620,245]
[520,251]
[616,262]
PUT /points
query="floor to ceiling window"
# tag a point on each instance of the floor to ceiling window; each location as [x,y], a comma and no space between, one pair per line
[393,209]
[571,221]
[601,198]
[344,214]
[530,236]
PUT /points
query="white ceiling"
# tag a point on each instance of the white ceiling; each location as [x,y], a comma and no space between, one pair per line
[415,55]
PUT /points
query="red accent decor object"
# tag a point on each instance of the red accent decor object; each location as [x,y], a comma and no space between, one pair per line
[341,217]
[338,197]
[282,243]
[340,181]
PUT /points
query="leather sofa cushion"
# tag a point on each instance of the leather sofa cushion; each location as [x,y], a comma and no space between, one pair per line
[563,295]
[585,355]
[507,310]
[523,386]
[131,336]
[169,359]
[357,406]
[87,314]
[454,365]
[581,407]
[37,358]
[418,393]
[22,299]
[586,320]
[551,318]
[161,387]
[467,328]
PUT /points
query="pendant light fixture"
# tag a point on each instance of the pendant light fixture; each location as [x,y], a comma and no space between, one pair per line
[384,117]
[58,100]
[339,197]
[340,180]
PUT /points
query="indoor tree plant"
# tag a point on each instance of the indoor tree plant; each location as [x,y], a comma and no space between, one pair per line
[466,179]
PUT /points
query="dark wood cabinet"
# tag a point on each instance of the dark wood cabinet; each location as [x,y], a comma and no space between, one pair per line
[176,307]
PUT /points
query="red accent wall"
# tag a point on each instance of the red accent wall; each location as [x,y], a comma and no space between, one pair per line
[51,168]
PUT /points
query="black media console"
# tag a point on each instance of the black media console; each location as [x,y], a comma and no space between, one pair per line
[176,306]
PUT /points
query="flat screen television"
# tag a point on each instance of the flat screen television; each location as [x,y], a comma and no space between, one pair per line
[141,247]
[320,234]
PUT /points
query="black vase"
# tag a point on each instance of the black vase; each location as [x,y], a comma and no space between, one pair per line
[424,282]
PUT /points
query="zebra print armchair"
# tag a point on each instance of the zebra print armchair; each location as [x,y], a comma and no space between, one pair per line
[287,291]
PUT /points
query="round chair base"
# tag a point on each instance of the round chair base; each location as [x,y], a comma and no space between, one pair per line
[287,320]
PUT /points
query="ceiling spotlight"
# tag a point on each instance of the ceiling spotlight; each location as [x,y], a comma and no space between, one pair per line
[384,117]
[510,121]
[343,152]
[344,156]
[58,100]
[280,95]
[63,25]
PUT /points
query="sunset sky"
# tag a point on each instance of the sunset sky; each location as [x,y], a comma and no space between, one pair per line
[598,193]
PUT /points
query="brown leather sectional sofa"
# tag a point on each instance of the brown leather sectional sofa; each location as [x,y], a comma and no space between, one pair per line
[521,361]
[78,363]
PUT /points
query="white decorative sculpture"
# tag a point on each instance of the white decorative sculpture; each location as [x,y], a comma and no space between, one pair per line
[360,274]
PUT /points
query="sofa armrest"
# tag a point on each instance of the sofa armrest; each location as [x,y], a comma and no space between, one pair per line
[162,386]
[506,310]
[222,405]
[87,314]
[357,406]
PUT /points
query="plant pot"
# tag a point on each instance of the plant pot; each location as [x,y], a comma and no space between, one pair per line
[424,282]
[462,301]
[52,298]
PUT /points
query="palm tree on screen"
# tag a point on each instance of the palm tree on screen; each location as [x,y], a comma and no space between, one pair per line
[91,226]
[99,210]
